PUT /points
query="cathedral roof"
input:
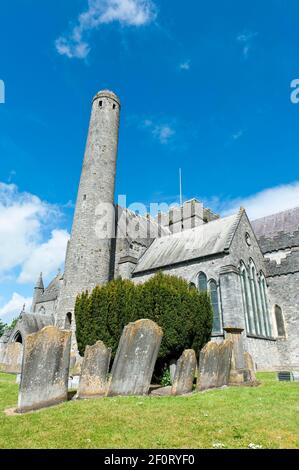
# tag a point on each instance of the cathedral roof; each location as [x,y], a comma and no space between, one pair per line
[205,240]
[278,231]
[53,290]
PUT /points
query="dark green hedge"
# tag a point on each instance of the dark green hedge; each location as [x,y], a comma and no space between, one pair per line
[184,313]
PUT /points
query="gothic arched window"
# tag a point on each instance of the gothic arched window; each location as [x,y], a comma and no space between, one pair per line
[202,282]
[213,288]
[264,296]
[256,301]
[247,300]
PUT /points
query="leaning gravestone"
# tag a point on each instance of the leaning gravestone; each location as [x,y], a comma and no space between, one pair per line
[94,371]
[185,373]
[215,365]
[45,369]
[249,364]
[12,358]
[225,352]
[250,368]
[135,359]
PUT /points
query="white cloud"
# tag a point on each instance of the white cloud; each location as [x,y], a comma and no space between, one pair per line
[185,65]
[24,221]
[126,12]
[266,202]
[238,135]
[246,39]
[161,132]
[14,306]
[47,257]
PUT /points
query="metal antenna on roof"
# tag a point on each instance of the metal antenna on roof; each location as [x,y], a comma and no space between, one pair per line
[181,191]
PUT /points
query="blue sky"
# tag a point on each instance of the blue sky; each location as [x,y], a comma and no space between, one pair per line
[204,86]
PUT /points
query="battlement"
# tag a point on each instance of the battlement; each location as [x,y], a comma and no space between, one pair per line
[190,215]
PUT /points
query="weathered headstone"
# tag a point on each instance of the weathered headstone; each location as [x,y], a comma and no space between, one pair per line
[225,352]
[12,358]
[214,365]
[135,359]
[45,369]
[185,373]
[172,369]
[94,371]
[235,335]
[249,364]
[208,366]
[249,368]
[242,366]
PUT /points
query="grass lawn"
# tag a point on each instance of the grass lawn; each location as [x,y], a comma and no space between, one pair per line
[266,416]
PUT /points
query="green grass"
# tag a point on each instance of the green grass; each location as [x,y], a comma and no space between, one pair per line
[266,416]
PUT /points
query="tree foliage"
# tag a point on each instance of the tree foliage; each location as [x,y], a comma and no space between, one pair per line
[3,327]
[184,314]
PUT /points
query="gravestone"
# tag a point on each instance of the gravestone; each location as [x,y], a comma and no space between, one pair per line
[45,369]
[242,365]
[215,365]
[135,359]
[172,369]
[12,358]
[185,373]
[249,364]
[250,368]
[235,335]
[225,352]
[94,371]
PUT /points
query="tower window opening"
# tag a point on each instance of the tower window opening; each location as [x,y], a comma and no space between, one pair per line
[84,197]
[114,106]
[100,104]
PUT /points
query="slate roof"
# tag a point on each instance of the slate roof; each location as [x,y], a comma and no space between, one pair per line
[53,290]
[205,240]
[278,231]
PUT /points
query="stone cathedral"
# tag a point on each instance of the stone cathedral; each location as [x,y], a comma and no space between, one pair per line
[250,268]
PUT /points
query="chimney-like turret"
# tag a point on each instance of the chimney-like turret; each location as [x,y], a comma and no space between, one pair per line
[38,292]
[88,256]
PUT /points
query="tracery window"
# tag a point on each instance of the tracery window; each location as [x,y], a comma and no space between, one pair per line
[254,292]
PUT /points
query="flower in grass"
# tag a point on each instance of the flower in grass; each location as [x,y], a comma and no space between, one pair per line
[254,446]
[218,445]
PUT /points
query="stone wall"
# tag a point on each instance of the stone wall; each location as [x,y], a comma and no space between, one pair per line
[284,292]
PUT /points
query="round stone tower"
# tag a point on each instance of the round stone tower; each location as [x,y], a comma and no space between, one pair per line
[88,257]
